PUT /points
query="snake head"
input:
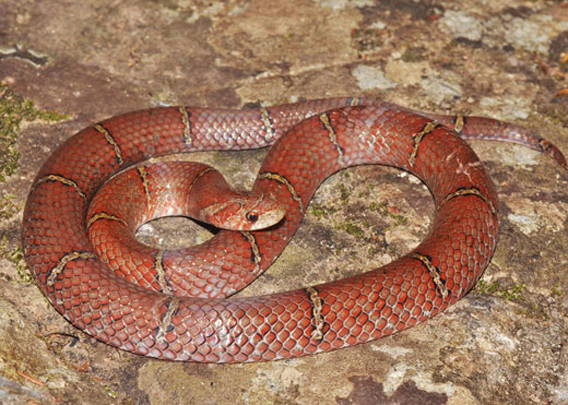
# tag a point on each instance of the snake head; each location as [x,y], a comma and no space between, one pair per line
[244,213]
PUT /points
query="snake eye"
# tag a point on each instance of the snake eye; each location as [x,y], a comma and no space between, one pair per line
[252,216]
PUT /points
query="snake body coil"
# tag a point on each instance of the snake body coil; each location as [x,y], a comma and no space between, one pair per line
[172,305]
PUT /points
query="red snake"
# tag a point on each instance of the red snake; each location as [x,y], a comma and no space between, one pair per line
[173,305]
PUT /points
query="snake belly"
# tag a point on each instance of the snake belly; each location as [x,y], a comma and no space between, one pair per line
[192,320]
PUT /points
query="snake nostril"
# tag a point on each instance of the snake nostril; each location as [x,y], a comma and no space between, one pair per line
[252,216]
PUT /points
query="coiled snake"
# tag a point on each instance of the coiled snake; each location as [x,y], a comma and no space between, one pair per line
[173,305]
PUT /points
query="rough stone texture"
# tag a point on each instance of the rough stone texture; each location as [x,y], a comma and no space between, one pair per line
[506,342]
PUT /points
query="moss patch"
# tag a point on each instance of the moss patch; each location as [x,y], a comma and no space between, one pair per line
[16,257]
[512,293]
[13,110]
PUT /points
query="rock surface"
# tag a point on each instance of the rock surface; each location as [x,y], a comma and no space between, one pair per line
[505,342]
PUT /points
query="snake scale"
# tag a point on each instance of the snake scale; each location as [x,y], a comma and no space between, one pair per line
[172,304]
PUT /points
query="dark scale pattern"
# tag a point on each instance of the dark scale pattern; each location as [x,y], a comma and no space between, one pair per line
[130,308]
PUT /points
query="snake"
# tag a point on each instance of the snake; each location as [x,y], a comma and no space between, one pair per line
[99,186]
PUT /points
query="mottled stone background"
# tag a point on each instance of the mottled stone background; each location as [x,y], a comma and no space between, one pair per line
[505,343]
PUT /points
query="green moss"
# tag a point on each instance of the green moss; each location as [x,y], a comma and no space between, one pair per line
[111,393]
[319,210]
[382,208]
[398,220]
[13,110]
[345,194]
[414,54]
[9,206]
[485,288]
[556,290]
[316,210]
[538,312]
[16,257]
[352,228]
[512,293]
[557,114]
[379,207]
